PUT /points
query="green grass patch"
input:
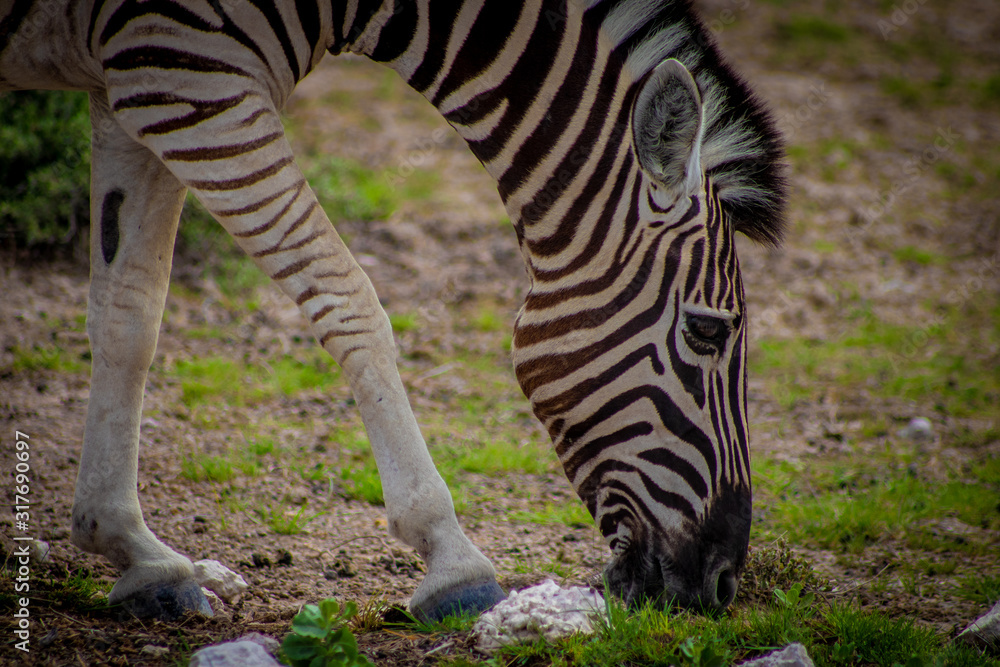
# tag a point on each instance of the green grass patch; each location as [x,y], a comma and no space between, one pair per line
[349,191]
[982,588]
[928,362]
[205,380]
[402,322]
[46,357]
[914,255]
[571,513]
[848,505]
[283,521]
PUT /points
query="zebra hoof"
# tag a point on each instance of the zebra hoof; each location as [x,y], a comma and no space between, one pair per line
[469,599]
[167,602]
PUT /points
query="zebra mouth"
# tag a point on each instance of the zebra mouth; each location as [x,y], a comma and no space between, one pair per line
[638,576]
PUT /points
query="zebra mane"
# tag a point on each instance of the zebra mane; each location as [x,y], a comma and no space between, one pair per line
[742,152]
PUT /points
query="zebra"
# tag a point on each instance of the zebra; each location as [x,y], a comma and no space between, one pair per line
[627,153]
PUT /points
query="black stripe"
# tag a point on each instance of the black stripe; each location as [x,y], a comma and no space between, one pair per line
[530,334]
[441,21]
[220,152]
[737,379]
[726,439]
[518,89]
[397,33]
[571,398]
[694,269]
[162,57]
[280,30]
[671,416]
[551,367]
[110,226]
[203,110]
[598,446]
[669,499]
[598,234]
[485,41]
[665,458]
[564,105]
[309,19]
[691,377]
[13,20]
[244,181]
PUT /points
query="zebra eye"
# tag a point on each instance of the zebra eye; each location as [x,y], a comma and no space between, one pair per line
[703,330]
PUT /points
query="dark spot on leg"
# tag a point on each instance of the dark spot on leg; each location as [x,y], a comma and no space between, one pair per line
[110,231]
[93,526]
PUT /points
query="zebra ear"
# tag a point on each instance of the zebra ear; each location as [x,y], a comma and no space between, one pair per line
[667,127]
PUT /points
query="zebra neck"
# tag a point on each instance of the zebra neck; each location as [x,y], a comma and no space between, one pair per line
[531,86]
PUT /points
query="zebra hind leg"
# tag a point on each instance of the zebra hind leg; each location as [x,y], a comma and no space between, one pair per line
[135,206]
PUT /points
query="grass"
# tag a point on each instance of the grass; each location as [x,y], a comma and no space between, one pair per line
[206,380]
[46,357]
[834,633]
[848,505]
[282,520]
[925,362]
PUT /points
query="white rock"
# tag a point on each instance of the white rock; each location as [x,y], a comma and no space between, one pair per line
[793,655]
[984,631]
[545,611]
[918,430]
[270,644]
[219,579]
[233,654]
[39,551]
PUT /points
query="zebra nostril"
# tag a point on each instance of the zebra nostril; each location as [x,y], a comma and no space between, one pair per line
[721,587]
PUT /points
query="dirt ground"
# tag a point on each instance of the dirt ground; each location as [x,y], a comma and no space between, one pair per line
[440,259]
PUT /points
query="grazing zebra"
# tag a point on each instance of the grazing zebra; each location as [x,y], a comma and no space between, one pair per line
[627,155]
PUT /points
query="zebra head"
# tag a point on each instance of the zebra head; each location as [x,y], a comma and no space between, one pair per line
[636,361]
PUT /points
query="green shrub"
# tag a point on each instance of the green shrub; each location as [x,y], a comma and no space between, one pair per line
[44,167]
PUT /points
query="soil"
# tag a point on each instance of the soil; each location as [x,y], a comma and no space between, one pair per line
[443,258]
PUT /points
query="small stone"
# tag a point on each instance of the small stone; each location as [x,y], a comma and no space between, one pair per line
[155,651]
[260,560]
[214,601]
[39,551]
[984,632]
[918,430]
[270,644]
[284,557]
[793,655]
[233,654]
[219,579]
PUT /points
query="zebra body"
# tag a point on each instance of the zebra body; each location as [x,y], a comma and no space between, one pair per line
[627,156]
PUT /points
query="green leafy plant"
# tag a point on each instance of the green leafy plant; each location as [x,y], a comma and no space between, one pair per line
[320,637]
[793,598]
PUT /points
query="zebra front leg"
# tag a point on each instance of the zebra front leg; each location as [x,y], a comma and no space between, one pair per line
[240,166]
[135,205]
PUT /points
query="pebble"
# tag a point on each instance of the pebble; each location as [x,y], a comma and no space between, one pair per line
[219,579]
[793,655]
[918,430]
[545,611]
[233,654]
